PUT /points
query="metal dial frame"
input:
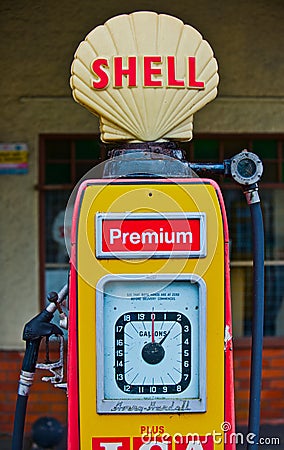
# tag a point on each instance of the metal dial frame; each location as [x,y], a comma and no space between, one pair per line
[160,387]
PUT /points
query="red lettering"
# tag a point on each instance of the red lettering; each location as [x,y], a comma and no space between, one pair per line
[129,71]
[99,67]
[192,82]
[150,71]
[172,81]
[153,71]
[152,428]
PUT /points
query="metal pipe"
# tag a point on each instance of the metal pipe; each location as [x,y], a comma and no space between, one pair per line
[205,169]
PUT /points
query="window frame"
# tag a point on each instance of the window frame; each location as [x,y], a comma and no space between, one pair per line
[42,187]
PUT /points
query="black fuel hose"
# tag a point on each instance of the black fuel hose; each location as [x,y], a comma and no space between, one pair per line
[257,325]
[34,331]
[26,379]
[19,423]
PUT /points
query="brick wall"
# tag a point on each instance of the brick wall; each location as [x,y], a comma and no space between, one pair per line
[45,400]
[272,395]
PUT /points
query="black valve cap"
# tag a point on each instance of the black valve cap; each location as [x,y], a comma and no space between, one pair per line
[52,297]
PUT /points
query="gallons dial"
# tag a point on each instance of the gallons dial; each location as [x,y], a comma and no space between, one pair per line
[152,352]
[151,349]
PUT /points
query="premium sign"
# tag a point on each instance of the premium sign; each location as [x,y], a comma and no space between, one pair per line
[155,71]
[135,235]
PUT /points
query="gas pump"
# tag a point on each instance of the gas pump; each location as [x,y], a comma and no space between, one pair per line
[150,361]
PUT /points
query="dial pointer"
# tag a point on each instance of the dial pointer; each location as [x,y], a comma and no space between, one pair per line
[153,327]
[166,335]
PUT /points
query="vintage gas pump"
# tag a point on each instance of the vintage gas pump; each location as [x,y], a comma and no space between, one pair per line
[150,335]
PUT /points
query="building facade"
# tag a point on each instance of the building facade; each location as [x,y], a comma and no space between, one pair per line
[37,46]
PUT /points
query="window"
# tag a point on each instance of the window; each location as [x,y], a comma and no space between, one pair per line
[65,159]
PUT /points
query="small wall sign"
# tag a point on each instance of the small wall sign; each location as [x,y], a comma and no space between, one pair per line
[13,158]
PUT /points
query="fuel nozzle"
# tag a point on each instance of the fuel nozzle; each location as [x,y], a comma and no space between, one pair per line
[52,297]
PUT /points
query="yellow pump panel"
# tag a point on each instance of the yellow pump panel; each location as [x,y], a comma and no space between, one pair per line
[187,197]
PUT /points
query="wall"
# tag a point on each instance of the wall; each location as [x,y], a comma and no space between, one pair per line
[44,399]
[37,45]
[272,395]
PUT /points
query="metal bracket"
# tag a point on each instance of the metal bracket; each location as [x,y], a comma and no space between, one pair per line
[56,367]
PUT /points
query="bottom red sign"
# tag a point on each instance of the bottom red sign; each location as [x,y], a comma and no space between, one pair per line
[188,442]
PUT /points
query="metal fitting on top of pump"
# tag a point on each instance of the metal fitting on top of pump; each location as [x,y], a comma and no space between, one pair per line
[246,168]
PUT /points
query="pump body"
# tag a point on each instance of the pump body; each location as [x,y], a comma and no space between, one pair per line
[149,309]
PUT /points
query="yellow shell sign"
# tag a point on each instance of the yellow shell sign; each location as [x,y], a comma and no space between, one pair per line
[145,75]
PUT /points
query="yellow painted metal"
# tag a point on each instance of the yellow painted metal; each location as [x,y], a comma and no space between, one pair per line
[144,197]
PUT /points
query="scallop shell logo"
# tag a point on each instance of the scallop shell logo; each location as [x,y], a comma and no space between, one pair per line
[145,75]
